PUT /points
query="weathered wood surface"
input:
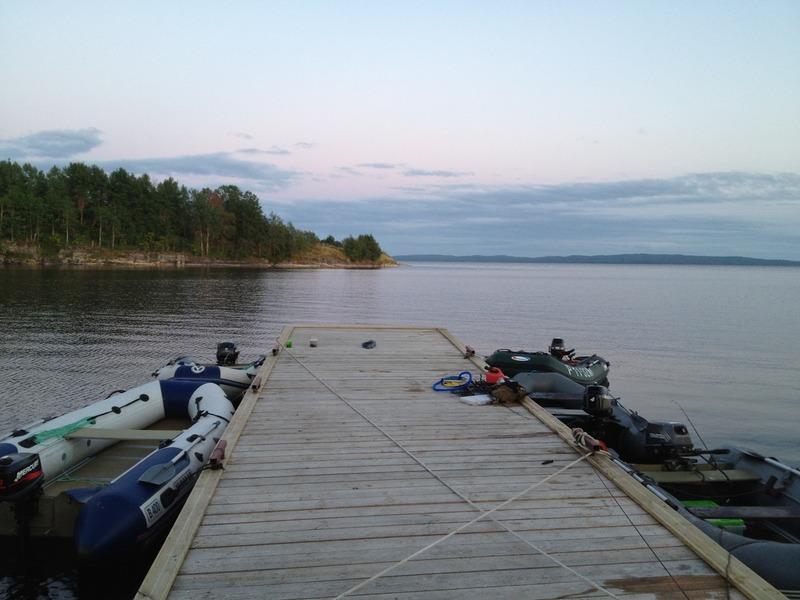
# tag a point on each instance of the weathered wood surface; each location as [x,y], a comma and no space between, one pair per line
[317,498]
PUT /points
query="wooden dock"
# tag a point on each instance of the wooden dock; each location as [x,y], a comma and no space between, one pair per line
[347,475]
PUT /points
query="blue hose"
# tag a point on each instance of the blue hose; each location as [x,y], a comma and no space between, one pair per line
[441,385]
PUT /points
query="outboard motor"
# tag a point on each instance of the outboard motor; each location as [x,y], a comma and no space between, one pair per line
[21,479]
[227,354]
[21,476]
[646,442]
[558,350]
[636,439]
[597,401]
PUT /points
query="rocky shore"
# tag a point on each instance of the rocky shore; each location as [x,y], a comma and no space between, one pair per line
[316,258]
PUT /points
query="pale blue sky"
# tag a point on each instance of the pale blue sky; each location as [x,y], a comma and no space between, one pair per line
[613,126]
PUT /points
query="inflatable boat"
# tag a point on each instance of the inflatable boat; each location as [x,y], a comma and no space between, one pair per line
[585,370]
[747,503]
[233,378]
[33,455]
[139,504]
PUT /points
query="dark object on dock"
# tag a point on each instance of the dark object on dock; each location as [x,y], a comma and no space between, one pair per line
[585,370]
[227,354]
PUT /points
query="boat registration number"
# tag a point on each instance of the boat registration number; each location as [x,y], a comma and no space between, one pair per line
[579,371]
[152,511]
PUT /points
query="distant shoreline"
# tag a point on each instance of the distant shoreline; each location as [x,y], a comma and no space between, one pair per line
[607,259]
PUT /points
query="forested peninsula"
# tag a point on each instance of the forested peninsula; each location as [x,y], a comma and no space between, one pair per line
[79,214]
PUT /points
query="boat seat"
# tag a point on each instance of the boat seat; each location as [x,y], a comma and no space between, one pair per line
[747,512]
[711,476]
[98,433]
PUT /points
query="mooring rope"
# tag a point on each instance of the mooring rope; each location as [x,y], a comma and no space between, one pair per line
[644,539]
[484,514]
[635,528]
[465,498]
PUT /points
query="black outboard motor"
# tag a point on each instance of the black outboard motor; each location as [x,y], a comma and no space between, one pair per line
[21,476]
[646,442]
[597,401]
[227,354]
[636,439]
[558,350]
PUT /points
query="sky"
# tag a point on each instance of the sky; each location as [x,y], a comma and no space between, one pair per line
[523,128]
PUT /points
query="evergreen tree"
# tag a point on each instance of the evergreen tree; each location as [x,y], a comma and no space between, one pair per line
[81,205]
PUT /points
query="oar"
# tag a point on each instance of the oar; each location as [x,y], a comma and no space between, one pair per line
[161,473]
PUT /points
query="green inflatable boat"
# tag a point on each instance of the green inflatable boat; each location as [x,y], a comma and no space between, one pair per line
[586,370]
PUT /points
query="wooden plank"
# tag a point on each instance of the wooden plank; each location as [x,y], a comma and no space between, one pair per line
[641,577]
[460,572]
[99,433]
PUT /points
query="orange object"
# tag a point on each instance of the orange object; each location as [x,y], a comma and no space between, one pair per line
[494,375]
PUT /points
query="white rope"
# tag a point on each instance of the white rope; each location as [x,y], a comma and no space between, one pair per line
[641,535]
[483,512]
[472,522]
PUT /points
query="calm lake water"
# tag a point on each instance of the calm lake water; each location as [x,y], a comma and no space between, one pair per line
[723,343]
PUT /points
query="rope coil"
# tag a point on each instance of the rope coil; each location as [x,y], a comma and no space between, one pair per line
[453,383]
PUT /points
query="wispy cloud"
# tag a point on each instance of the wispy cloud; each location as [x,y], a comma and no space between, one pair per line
[733,213]
[57,147]
[379,165]
[241,134]
[434,173]
[407,171]
[349,171]
[305,145]
[53,143]
[274,151]
[218,165]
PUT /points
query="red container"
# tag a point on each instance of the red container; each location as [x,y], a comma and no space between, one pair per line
[494,375]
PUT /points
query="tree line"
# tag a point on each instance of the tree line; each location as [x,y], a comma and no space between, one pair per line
[363,247]
[82,205]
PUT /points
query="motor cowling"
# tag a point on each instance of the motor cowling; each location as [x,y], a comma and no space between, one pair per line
[655,442]
[227,354]
[21,475]
[557,348]
[597,401]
